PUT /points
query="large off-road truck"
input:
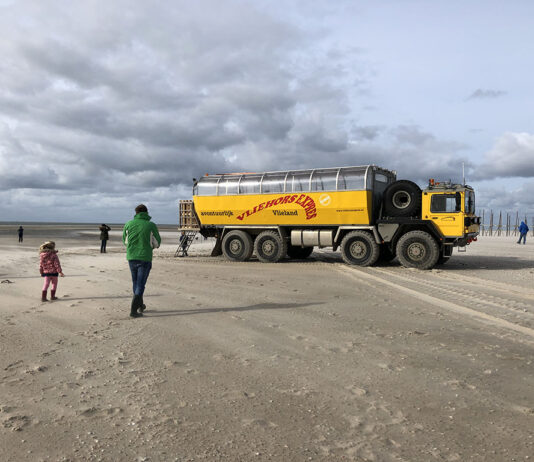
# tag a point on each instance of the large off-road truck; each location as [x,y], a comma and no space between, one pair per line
[364,211]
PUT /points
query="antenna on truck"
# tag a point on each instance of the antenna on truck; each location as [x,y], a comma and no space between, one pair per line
[463,172]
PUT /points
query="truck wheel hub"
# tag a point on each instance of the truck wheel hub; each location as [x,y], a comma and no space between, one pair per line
[358,249]
[401,199]
[268,247]
[235,246]
[416,251]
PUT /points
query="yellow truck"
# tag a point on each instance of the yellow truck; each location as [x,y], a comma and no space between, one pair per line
[364,211]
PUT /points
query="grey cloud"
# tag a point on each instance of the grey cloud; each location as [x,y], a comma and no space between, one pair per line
[512,155]
[420,155]
[498,198]
[132,108]
[485,94]
[152,98]
[367,132]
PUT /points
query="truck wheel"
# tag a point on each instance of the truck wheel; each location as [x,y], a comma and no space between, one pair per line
[299,253]
[417,249]
[237,245]
[402,199]
[270,247]
[359,248]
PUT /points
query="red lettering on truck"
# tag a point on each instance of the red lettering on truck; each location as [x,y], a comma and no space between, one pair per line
[305,201]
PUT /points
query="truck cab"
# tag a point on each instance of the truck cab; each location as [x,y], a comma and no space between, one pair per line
[451,209]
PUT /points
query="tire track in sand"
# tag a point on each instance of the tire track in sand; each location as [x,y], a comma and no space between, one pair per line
[494,320]
[444,286]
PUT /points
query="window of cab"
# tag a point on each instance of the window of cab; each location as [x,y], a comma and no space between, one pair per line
[446,203]
[469,202]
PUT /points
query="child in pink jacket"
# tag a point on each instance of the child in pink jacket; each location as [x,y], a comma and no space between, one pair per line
[50,268]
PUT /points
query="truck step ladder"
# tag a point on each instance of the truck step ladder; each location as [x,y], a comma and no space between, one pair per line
[182,249]
[188,224]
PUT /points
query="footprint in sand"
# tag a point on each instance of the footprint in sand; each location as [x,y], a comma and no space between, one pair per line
[36,369]
[358,391]
[84,374]
[97,412]
[258,422]
[16,422]
[298,337]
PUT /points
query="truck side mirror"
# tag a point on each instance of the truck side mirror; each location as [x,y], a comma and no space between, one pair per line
[458,197]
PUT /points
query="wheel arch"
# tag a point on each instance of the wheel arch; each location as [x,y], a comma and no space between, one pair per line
[423,226]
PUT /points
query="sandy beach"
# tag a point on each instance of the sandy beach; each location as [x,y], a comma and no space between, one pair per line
[296,361]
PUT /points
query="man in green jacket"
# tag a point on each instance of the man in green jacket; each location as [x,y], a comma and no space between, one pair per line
[140,236]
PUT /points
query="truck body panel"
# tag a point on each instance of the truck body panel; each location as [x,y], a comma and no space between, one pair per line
[325,208]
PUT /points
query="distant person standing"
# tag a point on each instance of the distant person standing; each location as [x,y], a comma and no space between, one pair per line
[140,236]
[104,236]
[523,230]
[21,233]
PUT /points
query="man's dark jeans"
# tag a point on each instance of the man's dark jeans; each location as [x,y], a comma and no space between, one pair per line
[140,271]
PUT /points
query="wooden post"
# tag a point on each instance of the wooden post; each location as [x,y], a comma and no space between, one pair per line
[499,227]
[491,223]
[483,224]
[516,227]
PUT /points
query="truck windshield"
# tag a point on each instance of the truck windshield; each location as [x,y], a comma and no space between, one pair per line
[469,202]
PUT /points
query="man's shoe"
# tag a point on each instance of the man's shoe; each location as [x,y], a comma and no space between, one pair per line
[136,303]
[136,315]
[142,306]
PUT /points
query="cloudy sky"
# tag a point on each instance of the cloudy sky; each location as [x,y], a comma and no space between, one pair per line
[105,104]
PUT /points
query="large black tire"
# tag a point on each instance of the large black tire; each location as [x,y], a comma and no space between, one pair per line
[270,247]
[299,253]
[359,248]
[237,245]
[402,199]
[418,249]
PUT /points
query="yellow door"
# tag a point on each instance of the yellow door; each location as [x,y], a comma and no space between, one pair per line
[445,210]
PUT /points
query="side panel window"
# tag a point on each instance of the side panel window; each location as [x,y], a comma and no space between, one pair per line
[443,203]
[298,181]
[351,179]
[324,181]
[231,186]
[381,178]
[273,183]
[207,187]
[250,184]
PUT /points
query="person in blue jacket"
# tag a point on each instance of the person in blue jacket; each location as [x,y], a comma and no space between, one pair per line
[523,230]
